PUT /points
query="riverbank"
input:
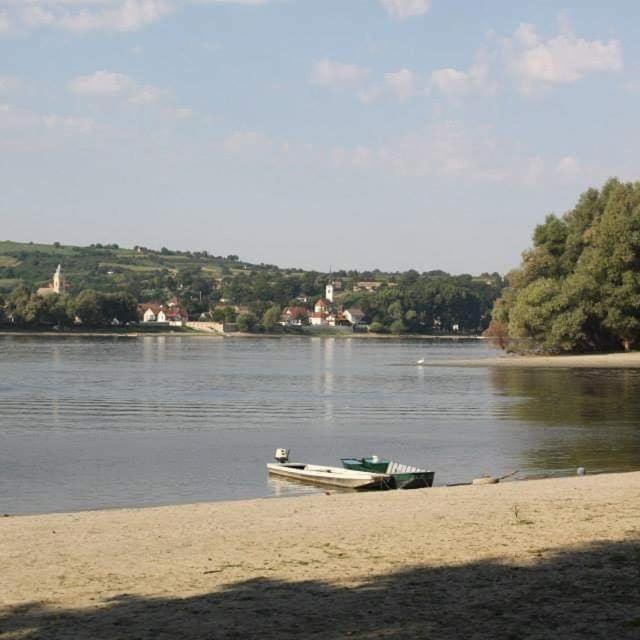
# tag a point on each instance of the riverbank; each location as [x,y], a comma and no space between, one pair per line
[188,331]
[586,361]
[545,558]
[106,333]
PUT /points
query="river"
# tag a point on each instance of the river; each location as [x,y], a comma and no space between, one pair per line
[90,423]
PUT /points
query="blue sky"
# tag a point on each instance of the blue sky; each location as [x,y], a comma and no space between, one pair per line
[394,134]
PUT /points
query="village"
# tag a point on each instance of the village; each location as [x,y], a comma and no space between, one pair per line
[85,288]
[326,313]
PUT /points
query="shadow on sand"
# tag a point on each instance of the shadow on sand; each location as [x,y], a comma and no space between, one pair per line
[590,593]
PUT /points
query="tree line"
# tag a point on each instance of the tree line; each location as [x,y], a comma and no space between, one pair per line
[430,303]
[578,288]
[22,308]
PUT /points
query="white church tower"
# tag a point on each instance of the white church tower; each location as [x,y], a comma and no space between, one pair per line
[328,292]
[59,283]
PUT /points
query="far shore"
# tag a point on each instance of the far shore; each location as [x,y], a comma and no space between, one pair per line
[547,558]
[211,334]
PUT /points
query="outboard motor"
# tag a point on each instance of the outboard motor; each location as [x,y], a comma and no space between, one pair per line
[282,455]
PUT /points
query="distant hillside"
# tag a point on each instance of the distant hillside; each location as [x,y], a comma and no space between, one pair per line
[101,267]
[202,283]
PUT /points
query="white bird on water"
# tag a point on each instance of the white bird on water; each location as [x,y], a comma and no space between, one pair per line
[421,361]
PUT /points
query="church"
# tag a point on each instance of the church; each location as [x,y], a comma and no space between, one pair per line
[58,285]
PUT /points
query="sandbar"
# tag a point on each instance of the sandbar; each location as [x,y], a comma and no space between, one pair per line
[629,360]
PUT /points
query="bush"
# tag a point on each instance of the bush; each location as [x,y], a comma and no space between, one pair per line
[247,322]
[397,327]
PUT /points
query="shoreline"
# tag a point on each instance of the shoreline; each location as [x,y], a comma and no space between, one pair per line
[211,334]
[273,568]
[629,360]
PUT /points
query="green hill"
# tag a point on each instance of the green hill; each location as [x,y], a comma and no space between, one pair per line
[420,303]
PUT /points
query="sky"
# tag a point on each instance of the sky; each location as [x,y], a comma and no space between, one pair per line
[355,134]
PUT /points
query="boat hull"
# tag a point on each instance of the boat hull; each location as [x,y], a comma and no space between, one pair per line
[401,476]
[329,476]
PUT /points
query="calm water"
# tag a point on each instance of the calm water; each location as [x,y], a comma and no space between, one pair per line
[91,423]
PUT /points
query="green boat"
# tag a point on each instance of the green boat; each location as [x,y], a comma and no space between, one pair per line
[402,476]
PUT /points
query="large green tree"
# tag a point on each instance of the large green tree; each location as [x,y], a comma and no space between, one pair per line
[578,288]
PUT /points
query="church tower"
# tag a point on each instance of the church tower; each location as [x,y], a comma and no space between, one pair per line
[59,283]
[328,292]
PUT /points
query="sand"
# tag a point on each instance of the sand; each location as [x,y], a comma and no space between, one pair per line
[596,361]
[554,558]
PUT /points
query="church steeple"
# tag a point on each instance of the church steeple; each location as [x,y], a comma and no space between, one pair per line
[59,283]
[328,292]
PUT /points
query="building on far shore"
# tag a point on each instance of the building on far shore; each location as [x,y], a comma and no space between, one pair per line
[367,285]
[58,284]
[321,310]
[354,316]
[294,316]
[154,312]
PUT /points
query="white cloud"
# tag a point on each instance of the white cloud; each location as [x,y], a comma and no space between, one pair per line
[563,59]
[5,23]
[83,16]
[328,73]
[12,118]
[449,149]
[147,94]
[452,82]
[109,84]
[401,83]
[568,167]
[369,95]
[442,148]
[179,113]
[241,141]
[403,9]
[103,83]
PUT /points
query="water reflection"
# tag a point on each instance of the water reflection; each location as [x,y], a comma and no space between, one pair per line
[574,417]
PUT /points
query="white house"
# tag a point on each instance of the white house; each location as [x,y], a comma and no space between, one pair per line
[354,316]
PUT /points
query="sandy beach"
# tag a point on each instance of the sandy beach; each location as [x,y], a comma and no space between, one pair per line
[588,361]
[554,558]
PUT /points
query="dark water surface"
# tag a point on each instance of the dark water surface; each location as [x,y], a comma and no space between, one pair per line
[90,423]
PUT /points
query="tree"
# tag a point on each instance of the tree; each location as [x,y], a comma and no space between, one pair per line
[578,289]
[377,327]
[16,304]
[271,318]
[397,327]
[119,306]
[247,322]
[88,307]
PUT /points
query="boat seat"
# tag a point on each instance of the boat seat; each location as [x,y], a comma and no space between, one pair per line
[396,467]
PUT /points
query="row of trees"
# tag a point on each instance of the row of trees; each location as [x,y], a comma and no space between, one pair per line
[578,288]
[23,308]
[430,303]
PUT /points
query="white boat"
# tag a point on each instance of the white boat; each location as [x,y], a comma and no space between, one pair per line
[328,476]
